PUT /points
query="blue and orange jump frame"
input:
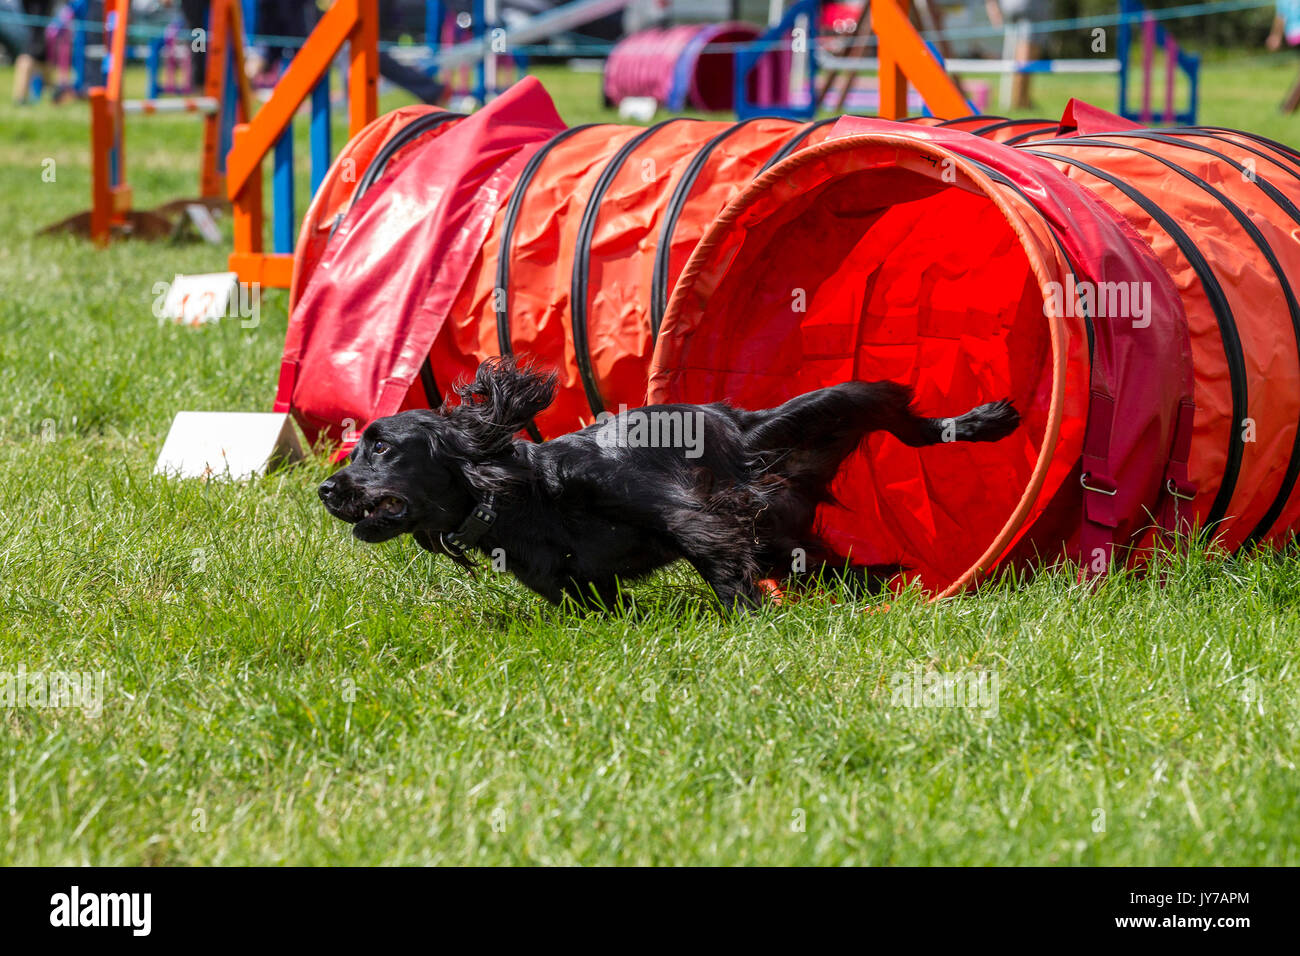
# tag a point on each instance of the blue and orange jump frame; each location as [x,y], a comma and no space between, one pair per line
[1177,60]
[356,23]
[225,101]
[903,54]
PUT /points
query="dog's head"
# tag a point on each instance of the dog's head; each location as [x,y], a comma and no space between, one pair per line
[422,471]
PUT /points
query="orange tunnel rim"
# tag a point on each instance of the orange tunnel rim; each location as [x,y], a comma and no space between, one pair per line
[698,267]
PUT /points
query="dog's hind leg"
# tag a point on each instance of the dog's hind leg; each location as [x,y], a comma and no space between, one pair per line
[831,421]
[989,422]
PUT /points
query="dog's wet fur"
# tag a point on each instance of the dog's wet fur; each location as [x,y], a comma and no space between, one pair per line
[579,514]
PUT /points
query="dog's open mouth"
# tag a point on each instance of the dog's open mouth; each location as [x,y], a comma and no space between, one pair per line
[389,506]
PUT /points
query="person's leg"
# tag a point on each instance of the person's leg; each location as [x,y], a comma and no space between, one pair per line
[286,18]
[196,18]
[32,60]
[1025,50]
[1292,101]
[426,88]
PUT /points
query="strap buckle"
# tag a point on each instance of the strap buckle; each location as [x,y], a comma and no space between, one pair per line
[1111,492]
[1181,492]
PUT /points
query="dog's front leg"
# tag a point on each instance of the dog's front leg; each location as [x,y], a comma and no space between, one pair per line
[592,595]
[732,581]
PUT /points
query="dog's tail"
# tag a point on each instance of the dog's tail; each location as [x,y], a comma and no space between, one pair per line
[813,433]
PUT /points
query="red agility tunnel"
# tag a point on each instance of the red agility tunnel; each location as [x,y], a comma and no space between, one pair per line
[1131,290]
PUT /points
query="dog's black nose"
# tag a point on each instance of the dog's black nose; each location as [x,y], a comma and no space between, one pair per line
[326,490]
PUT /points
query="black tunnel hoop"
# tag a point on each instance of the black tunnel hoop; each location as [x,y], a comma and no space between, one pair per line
[1289,151]
[966,119]
[1029,134]
[501,290]
[582,261]
[403,137]
[1039,124]
[1170,136]
[795,142]
[673,212]
[501,296]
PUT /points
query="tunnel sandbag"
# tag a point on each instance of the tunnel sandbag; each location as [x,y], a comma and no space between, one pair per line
[853,259]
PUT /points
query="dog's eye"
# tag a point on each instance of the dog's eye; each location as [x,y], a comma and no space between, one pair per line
[380,447]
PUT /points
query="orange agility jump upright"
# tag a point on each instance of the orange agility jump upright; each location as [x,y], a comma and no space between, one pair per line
[355,22]
[225,102]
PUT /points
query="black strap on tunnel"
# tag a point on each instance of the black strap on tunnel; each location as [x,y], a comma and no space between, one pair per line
[505,249]
[673,212]
[966,119]
[1003,180]
[402,137]
[1008,124]
[794,143]
[1172,136]
[582,261]
[501,292]
[1222,313]
[1293,307]
[1270,143]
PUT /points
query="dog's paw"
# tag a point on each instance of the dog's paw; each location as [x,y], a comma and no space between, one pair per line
[990,422]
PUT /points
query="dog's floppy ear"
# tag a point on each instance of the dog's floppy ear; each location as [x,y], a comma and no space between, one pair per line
[503,398]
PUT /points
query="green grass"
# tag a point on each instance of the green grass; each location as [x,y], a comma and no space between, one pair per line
[276,692]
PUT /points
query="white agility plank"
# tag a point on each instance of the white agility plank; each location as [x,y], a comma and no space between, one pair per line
[865,64]
[172,104]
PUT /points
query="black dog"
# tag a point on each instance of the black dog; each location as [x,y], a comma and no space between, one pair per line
[734,492]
